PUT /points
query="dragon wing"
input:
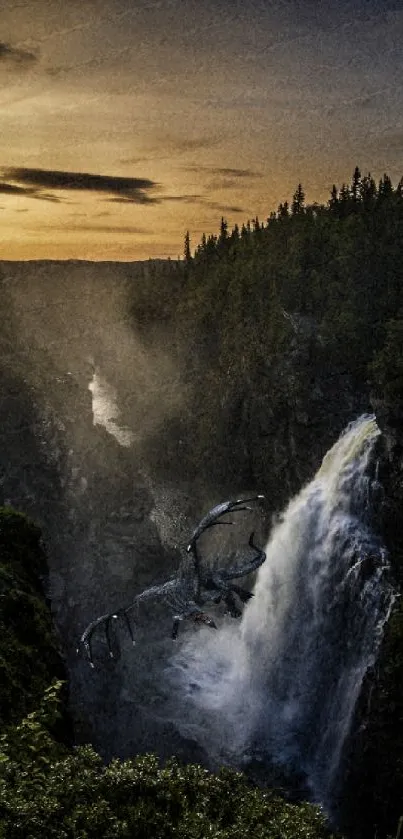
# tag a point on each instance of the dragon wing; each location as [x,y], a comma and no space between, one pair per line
[105,621]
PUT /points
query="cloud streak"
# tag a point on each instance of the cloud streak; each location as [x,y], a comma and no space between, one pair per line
[101,228]
[47,184]
[223,171]
[224,208]
[26,192]
[34,181]
[16,57]
[167,147]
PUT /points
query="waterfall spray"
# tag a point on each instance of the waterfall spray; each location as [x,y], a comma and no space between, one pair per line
[285,682]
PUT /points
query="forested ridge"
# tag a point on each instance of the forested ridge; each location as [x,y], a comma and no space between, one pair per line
[277,317]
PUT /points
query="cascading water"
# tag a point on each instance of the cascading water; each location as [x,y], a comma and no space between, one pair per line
[285,682]
[105,410]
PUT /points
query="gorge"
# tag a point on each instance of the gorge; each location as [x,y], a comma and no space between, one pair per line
[126,414]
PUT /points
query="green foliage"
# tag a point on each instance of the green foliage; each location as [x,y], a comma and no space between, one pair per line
[45,792]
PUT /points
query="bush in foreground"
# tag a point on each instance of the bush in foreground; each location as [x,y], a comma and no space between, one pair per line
[48,790]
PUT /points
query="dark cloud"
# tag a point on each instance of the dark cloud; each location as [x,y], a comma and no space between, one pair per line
[202,201]
[26,192]
[223,208]
[139,199]
[166,147]
[134,190]
[12,55]
[101,228]
[185,199]
[223,171]
[36,183]
[11,189]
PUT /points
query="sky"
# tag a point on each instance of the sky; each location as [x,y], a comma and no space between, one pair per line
[126,122]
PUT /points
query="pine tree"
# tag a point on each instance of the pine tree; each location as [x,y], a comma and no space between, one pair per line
[368,190]
[298,199]
[334,198]
[223,237]
[344,201]
[223,228]
[385,189]
[355,185]
[235,232]
[186,250]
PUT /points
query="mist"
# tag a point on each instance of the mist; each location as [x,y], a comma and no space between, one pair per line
[73,319]
[97,397]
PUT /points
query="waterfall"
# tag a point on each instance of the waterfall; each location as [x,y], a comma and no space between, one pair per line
[105,410]
[284,683]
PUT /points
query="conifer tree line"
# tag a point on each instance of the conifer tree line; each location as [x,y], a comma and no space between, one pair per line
[238,303]
[339,262]
[363,194]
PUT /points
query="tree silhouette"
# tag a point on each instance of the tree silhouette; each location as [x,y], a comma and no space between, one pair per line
[298,199]
[186,249]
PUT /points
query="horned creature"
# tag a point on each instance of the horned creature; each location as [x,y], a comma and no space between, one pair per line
[187,593]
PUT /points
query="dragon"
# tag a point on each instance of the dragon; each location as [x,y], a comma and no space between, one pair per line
[187,594]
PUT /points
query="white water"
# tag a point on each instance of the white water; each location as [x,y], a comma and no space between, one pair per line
[105,410]
[284,683]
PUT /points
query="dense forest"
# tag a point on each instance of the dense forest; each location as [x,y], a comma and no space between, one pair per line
[283,331]
[298,307]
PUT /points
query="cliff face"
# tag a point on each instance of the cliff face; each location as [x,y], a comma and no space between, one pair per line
[29,650]
[94,508]
[90,494]
[372,794]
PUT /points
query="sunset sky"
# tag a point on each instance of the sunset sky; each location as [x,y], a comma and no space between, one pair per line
[125,122]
